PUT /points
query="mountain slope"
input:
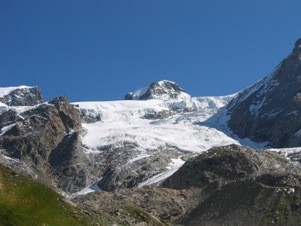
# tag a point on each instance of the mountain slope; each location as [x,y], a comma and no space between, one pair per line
[270,110]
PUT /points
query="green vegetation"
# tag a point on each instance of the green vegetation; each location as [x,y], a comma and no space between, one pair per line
[24,201]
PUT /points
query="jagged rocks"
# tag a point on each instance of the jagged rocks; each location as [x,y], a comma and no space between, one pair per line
[124,171]
[21,96]
[270,110]
[46,138]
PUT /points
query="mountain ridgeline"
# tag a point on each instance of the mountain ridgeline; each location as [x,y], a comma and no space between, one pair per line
[162,157]
[270,110]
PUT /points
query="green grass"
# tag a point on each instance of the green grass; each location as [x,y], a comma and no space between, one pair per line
[24,201]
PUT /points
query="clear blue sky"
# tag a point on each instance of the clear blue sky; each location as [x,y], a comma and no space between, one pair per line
[101,49]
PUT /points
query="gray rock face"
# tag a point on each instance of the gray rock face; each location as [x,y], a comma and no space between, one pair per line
[270,110]
[28,96]
[46,139]
[122,172]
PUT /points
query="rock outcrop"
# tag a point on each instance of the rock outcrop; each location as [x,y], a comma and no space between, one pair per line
[46,139]
[270,110]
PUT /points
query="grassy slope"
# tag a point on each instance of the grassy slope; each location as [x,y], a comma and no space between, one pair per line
[23,201]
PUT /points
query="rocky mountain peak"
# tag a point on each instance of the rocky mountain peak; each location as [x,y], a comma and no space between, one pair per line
[270,110]
[162,90]
[297,49]
[21,96]
[298,43]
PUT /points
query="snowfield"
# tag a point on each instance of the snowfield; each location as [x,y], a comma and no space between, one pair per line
[195,131]
[123,121]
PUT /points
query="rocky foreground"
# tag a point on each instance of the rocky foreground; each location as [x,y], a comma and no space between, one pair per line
[230,185]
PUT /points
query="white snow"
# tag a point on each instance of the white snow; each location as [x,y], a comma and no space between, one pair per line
[89,189]
[139,92]
[6,128]
[138,158]
[3,107]
[122,121]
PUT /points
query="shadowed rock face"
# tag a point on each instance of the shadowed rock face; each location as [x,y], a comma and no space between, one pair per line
[270,110]
[46,139]
[29,96]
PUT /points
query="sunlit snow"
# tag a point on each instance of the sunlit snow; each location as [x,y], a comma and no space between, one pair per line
[195,131]
[89,189]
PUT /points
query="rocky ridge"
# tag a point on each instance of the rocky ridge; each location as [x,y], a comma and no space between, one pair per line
[46,139]
[270,110]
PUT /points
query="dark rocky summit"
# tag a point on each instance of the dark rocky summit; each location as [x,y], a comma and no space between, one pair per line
[270,110]
[23,96]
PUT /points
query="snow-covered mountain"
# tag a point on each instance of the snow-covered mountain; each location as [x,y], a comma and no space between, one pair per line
[121,143]
[165,130]
[143,140]
[20,96]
